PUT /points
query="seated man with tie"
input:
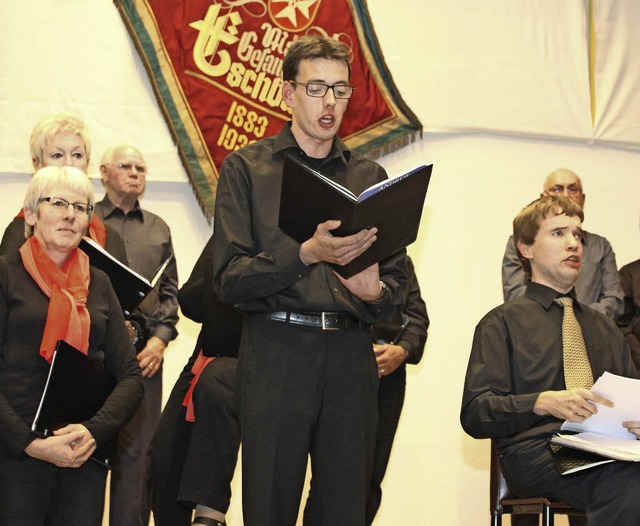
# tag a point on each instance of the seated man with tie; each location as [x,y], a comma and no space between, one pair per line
[532,364]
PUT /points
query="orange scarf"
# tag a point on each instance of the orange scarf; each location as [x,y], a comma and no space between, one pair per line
[97,231]
[96,228]
[67,289]
[198,366]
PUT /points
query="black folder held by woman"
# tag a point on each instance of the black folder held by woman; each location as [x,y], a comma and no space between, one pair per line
[75,390]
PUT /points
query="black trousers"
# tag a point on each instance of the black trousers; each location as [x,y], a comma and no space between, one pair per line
[37,493]
[193,463]
[167,454]
[129,498]
[607,493]
[303,391]
[390,401]
[212,452]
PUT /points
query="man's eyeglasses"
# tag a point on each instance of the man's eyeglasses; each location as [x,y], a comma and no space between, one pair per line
[572,189]
[60,205]
[319,90]
[126,167]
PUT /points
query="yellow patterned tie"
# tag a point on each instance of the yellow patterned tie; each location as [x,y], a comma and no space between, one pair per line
[577,369]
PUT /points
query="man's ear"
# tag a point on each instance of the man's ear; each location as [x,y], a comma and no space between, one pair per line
[104,173]
[525,250]
[287,93]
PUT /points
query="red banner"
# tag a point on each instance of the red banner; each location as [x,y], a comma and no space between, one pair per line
[216,68]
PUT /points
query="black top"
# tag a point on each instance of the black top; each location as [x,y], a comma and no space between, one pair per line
[221,323]
[23,372]
[517,354]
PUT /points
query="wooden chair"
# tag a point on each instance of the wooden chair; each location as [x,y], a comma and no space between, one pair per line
[503,501]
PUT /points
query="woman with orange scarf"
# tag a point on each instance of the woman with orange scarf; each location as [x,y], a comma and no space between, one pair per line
[49,292]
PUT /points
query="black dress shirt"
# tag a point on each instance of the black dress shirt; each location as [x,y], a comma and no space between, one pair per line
[517,354]
[256,266]
[148,242]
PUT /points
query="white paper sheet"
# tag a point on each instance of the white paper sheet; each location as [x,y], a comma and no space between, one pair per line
[625,394]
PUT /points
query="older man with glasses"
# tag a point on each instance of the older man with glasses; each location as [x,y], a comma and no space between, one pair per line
[148,241]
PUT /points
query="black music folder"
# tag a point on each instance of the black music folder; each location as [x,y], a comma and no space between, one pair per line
[394,206]
[571,460]
[75,390]
[130,287]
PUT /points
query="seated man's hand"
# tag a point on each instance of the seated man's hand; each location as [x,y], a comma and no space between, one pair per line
[574,405]
[324,246]
[633,427]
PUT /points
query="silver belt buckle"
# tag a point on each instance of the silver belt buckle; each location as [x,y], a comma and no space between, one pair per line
[324,323]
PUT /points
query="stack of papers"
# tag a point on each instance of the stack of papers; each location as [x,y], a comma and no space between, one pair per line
[602,432]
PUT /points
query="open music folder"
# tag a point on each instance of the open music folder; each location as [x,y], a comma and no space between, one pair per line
[394,206]
[130,287]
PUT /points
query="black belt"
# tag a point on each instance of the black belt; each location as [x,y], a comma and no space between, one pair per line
[327,321]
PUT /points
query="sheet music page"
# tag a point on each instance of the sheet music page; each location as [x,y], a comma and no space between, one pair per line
[34,425]
[98,248]
[624,393]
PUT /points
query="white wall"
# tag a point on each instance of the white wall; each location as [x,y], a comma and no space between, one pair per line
[437,474]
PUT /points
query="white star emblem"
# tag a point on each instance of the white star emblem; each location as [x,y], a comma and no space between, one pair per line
[290,11]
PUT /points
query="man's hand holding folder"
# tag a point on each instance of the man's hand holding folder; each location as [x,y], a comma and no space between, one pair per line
[350,232]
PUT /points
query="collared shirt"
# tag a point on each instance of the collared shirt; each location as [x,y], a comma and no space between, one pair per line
[257,267]
[517,354]
[148,243]
[598,284]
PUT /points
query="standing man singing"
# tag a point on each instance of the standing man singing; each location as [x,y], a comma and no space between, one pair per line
[307,379]
[148,242]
